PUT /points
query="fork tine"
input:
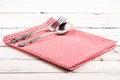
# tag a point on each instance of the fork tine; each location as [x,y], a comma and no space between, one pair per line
[62,20]
[53,26]
[58,22]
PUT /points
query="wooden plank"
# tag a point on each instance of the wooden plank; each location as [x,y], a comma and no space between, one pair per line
[10,53]
[61,76]
[102,32]
[87,15]
[39,66]
[84,6]
[78,20]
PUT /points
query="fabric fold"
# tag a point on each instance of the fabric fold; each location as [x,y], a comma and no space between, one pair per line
[68,51]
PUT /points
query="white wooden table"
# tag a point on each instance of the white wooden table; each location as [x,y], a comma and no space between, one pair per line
[100,17]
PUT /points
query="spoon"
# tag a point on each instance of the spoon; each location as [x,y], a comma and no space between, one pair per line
[62,29]
[49,28]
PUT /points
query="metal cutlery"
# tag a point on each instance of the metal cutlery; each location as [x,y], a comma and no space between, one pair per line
[50,28]
[62,29]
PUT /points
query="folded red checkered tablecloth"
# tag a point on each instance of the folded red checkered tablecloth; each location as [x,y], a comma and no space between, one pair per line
[68,51]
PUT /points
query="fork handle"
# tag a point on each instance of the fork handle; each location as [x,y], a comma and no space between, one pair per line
[25,36]
[33,40]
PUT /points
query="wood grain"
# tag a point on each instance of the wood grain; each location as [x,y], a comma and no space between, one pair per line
[100,17]
[62,76]
[79,20]
[81,6]
[39,66]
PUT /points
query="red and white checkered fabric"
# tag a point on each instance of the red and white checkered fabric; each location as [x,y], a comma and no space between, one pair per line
[68,51]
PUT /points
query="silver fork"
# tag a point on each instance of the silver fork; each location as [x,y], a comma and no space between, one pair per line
[49,28]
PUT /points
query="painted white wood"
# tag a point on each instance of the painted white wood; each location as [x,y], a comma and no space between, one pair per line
[35,66]
[84,6]
[61,76]
[79,20]
[87,15]
[100,32]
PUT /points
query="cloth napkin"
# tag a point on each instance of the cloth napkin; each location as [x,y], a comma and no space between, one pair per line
[68,51]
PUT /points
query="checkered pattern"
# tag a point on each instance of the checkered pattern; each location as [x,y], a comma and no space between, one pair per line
[18,34]
[68,51]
